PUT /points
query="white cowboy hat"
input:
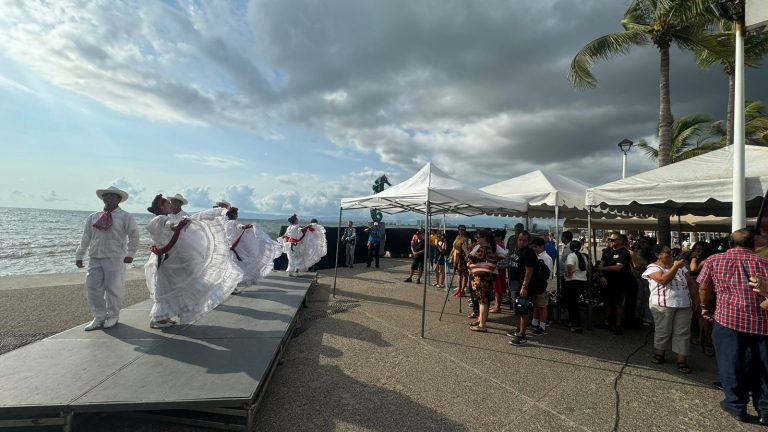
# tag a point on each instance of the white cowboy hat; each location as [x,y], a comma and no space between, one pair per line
[225,202]
[123,194]
[179,197]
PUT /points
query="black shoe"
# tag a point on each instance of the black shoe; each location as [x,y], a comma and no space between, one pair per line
[351,266]
[718,385]
[740,417]
[368,266]
[618,332]
[577,330]
[762,421]
[602,326]
[377,266]
[408,280]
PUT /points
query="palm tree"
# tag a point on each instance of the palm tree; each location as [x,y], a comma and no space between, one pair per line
[691,136]
[722,48]
[660,22]
[755,125]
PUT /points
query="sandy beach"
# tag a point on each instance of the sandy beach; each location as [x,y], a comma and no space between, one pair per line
[357,363]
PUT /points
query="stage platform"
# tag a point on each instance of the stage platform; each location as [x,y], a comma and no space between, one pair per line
[220,363]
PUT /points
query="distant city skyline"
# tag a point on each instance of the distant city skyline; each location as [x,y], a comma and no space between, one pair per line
[283,107]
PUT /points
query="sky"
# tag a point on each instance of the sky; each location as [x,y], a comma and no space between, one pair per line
[289,106]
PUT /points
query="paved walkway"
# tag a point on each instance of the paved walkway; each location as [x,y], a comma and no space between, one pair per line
[358,363]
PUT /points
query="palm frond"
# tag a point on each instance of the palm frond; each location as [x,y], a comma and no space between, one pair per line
[602,48]
[651,152]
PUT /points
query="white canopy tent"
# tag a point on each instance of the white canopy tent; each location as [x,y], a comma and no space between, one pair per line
[546,194]
[700,186]
[431,191]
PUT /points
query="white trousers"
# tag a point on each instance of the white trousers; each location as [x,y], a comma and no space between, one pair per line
[105,283]
[672,329]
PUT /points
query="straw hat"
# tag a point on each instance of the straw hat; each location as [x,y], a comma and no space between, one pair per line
[224,202]
[123,194]
[179,197]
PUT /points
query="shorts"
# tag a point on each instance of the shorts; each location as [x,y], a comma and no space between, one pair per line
[418,262]
[541,300]
[523,305]
[613,295]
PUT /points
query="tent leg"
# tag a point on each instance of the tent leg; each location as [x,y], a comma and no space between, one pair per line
[448,293]
[338,241]
[424,291]
[558,289]
[589,267]
[679,233]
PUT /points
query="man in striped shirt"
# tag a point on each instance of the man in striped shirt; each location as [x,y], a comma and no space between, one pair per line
[741,325]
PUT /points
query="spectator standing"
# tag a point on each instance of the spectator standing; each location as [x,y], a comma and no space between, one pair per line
[540,301]
[740,331]
[350,241]
[575,284]
[672,295]
[442,259]
[375,234]
[500,282]
[482,259]
[418,247]
[458,258]
[522,273]
[617,279]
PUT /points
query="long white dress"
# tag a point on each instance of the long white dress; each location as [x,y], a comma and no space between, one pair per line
[303,249]
[253,251]
[197,274]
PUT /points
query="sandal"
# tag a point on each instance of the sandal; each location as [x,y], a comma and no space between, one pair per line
[495,310]
[474,323]
[657,359]
[472,315]
[479,329]
[683,367]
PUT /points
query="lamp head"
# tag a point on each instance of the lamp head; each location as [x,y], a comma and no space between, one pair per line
[625,145]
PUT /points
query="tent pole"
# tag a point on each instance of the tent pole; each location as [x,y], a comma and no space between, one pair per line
[424,291]
[679,234]
[338,240]
[591,233]
[558,270]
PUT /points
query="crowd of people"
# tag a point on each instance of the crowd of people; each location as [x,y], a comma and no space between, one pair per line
[196,260]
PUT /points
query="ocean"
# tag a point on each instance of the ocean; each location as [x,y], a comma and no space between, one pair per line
[34,241]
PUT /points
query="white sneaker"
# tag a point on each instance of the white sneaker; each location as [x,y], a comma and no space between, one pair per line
[95,325]
[236,291]
[158,325]
[110,322]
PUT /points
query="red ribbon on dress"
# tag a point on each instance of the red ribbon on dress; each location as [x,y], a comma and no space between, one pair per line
[104,222]
[290,239]
[176,233]
[237,242]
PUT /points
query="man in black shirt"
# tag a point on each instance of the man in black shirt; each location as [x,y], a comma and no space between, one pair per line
[521,270]
[616,279]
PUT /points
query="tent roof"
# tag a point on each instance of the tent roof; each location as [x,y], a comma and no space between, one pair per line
[444,193]
[702,185]
[544,191]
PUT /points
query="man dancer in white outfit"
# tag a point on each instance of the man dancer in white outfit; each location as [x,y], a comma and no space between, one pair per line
[177,201]
[111,238]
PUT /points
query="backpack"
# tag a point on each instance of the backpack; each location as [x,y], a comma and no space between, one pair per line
[540,279]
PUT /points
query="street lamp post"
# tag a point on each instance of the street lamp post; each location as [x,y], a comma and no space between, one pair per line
[624,145]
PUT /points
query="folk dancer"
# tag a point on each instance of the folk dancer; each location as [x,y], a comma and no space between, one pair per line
[111,239]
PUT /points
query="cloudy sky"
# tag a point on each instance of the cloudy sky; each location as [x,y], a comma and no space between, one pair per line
[287,106]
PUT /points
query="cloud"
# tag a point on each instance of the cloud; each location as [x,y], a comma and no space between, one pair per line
[214,161]
[198,196]
[11,84]
[240,196]
[479,88]
[51,196]
[134,188]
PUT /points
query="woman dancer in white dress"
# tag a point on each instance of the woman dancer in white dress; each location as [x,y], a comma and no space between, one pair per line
[304,246]
[252,249]
[190,270]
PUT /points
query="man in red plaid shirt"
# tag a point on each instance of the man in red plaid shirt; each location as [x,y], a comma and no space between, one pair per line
[741,326]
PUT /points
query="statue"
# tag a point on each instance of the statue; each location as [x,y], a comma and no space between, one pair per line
[378,186]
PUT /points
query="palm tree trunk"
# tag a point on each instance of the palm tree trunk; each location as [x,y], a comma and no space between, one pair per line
[665,135]
[729,114]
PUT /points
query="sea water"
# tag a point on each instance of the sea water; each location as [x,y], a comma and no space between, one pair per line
[44,241]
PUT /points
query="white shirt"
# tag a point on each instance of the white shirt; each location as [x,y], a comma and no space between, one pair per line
[579,275]
[673,294]
[564,257]
[120,240]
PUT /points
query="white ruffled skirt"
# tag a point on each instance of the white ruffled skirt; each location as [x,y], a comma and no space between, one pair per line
[255,254]
[308,251]
[196,275]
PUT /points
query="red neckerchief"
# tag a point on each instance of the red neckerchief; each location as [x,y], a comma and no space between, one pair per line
[105,220]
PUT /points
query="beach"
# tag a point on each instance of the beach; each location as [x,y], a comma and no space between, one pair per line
[357,363]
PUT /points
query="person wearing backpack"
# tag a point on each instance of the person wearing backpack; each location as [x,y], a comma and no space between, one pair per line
[539,285]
